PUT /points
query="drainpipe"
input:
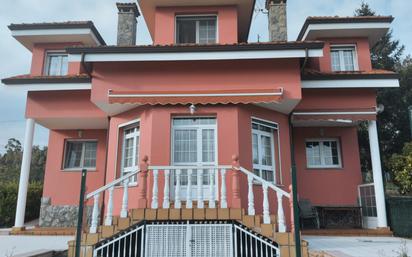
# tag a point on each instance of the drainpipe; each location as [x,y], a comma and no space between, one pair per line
[84,65]
[294,189]
[302,68]
[105,168]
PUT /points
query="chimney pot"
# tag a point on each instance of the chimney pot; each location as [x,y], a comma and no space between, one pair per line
[277,20]
[127,23]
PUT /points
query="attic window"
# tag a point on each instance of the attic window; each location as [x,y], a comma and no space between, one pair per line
[344,58]
[196,29]
[56,63]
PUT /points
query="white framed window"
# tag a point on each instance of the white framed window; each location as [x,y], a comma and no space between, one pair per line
[263,149]
[344,58]
[196,29]
[80,154]
[194,142]
[130,149]
[323,153]
[56,63]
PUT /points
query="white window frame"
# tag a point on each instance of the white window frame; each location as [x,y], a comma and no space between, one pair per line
[83,141]
[322,159]
[135,159]
[340,49]
[199,140]
[271,135]
[47,56]
[197,17]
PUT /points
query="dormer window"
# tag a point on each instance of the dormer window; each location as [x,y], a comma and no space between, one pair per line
[344,58]
[196,29]
[56,63]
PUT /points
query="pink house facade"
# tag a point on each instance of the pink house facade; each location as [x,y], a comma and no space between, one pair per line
[202,119]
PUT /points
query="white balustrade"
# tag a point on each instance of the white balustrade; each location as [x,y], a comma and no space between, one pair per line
[212,203]
[109,214]
[223,201]
[166,198]
[251,198]
[155,198]
[200,203]
[281,214]
[178,202]
[95,214]
[125,201]
[189,202]
[266,215]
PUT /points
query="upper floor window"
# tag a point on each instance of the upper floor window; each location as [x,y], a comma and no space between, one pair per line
[196,29]
[80,154]
[344,58]
[323,153]
[56,64]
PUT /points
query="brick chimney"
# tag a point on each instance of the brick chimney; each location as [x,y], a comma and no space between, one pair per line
[127,23]
[278,30]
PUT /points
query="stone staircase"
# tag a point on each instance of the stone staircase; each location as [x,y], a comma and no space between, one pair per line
[285,240]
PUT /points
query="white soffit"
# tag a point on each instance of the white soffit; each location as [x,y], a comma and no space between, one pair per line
[50,86]
[30,37]
[350,83]
[196,56]
[373,30]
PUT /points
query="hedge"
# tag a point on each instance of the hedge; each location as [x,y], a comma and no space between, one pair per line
[8,201]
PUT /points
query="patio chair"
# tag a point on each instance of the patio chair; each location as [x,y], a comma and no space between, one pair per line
[308,212]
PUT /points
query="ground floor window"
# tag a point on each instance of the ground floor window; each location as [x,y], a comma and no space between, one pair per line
[130,148]
[263,149]
[80,154]
[323,153]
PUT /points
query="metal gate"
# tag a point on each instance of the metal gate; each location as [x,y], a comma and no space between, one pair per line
[368,205]
[197,240]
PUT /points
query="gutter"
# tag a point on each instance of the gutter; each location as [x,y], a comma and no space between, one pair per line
[305,61]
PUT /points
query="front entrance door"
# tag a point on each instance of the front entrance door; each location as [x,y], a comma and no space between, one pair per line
[194,143]
[368,204]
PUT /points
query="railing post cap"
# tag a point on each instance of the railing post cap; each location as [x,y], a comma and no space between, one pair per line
[235,161]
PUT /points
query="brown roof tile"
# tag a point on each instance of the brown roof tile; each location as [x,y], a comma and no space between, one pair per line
[30,79]
[311,74]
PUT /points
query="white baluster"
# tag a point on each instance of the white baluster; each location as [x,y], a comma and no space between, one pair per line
[155,198]
[212,203]
[223,202]
[178,203]
[166,199]
[189,202]
[266,215]
[200,203]
[95,214]
[251,197]
[109,214]
[123,212]
[281,214]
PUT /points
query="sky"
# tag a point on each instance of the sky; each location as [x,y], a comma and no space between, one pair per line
[15,59]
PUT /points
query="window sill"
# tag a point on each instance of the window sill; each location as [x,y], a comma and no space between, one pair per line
[78,170]
[324,168]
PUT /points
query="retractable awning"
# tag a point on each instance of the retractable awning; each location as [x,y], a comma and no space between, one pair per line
[245,96]
[342,115]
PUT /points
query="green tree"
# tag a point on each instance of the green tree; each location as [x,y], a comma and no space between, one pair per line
[393,122]
[401,167]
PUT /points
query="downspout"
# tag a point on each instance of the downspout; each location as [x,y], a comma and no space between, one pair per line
[105,169]
[84,65]
[294,189]
[305,61]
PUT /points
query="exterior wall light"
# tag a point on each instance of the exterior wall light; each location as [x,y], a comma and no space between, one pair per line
[192,109]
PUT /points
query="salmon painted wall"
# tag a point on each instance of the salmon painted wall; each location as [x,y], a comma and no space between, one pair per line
[329,99]
[63,186]
[329,186]
[61,104]
[193,76]
[363,53]
[39,53]
[165,22]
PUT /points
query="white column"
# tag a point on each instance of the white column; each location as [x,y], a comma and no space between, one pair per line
[189,202]
[95,214]
[251,198]
[24,173]
[155,199]
[281,213]
[266,214]
[377,174]
[125,201]
[109,214]
[166,199]
[223,201]
[178,202]
[200,203]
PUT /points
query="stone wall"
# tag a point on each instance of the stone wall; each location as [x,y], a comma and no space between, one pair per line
[61,215]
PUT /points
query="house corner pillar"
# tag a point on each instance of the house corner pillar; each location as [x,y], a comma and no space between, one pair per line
[377,174]
[24,174]
[142,180]
[236,201]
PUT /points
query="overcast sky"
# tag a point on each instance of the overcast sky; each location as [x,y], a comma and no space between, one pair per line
[15,59]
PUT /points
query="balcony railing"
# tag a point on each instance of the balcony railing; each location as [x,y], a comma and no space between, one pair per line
[192,185]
